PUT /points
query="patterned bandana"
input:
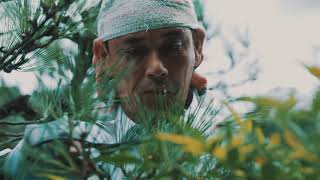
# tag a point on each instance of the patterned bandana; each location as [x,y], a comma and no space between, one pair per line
[122,17]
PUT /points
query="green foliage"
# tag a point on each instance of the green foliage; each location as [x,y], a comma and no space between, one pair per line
[7,93]
[31,27]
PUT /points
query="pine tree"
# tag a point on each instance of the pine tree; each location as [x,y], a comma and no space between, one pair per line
[54,38]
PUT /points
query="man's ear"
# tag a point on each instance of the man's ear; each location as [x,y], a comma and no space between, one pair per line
[99,51]
[100,60]
[198,38]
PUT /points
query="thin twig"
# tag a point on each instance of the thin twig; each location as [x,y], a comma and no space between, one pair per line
[10,135]
[22,123]
[10,141]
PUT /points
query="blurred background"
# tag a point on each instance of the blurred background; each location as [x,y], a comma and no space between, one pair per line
[283,36]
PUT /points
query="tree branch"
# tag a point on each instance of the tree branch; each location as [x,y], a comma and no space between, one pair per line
[6,123]
[10,141]
[10,135]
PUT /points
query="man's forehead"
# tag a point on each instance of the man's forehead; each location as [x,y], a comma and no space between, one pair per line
[164,32]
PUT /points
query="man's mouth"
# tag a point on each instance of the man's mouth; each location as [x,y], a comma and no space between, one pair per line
[157,92]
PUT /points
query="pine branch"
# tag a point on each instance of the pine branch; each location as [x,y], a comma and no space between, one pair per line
[82,66]
[10,141]
[22,123]
[10,135]
[47,27]
[27,45]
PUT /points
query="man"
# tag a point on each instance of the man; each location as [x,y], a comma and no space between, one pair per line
[159,42]
[163,41]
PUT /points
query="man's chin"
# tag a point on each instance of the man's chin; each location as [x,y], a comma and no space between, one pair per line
[152,106]
[162,104]
[157,102]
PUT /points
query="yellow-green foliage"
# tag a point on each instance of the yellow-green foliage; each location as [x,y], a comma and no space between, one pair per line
[276,141]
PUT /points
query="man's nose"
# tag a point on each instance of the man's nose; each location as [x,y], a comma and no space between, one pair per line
[155,68]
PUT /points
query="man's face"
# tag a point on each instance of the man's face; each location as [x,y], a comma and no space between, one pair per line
[161,65]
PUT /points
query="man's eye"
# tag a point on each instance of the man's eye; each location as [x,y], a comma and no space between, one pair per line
[175,45]
[134,52]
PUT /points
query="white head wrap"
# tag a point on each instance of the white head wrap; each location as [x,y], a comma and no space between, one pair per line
[122,17]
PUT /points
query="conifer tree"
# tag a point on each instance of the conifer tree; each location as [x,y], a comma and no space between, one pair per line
[53,38]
